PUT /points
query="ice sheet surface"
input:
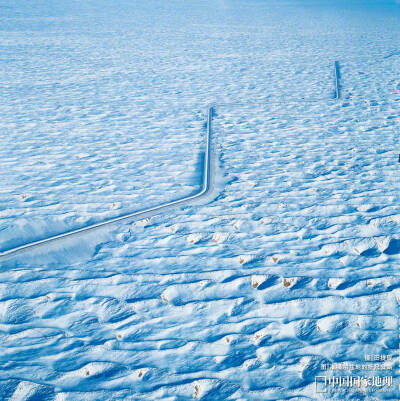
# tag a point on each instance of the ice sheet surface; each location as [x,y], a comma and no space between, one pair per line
[289,265]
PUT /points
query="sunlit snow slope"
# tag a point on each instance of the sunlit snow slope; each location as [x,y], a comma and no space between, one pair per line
[292,261]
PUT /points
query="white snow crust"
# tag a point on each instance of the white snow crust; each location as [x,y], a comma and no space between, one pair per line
[293,261]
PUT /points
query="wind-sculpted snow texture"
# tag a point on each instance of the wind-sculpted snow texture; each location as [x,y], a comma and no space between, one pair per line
[290,264]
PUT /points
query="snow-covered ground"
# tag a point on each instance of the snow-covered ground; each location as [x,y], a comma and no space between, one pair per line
[289,264]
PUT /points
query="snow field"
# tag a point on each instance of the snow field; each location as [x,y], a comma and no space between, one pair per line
[291,265]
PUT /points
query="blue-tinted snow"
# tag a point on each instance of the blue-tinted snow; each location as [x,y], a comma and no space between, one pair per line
[291,264]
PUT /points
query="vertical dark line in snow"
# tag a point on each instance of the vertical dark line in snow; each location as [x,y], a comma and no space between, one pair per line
[337,78]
